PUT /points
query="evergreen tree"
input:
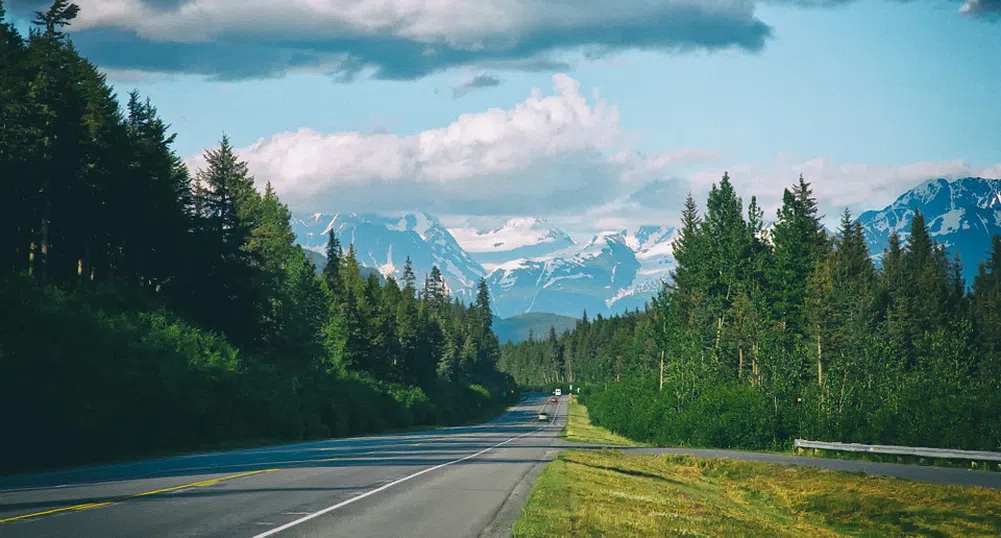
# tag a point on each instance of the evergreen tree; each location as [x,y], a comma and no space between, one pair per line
[332,269]
[799,244]
[483,306]
[409,280]
[229,298]
[986,306]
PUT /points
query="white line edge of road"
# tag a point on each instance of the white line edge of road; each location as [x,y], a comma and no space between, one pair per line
[328,509]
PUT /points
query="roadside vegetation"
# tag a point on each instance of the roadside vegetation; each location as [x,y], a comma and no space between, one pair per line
[580,430]
[765,336]
[147,310]
[608,493]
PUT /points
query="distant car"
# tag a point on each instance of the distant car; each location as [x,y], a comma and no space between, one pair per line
[559,392]
[553,399]
[543,416]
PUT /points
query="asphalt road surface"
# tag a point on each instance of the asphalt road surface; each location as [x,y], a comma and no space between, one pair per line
[465,481]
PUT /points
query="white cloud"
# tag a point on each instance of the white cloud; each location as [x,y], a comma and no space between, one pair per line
[546,155]
[559,157]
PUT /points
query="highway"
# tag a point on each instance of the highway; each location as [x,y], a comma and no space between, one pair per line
[463,481]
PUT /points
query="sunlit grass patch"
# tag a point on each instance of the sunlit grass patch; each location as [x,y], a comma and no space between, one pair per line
[580,430]
[609,493]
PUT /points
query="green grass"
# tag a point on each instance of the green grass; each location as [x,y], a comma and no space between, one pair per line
[580,430]
[609,493]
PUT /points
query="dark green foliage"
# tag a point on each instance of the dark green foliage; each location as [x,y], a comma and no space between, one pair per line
[145,312]
[754,344]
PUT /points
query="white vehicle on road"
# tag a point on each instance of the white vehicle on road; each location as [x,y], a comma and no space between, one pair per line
[559,392]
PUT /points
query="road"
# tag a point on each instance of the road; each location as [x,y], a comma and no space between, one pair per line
[464,481]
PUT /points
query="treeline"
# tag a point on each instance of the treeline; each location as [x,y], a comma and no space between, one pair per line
[762,337]
[144,310]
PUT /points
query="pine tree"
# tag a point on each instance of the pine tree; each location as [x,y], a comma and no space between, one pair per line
[229,295]
[799,244]
[483,306]
[17,145]
[60,106]
[556,355]
[332,269]
[986,307]
[409,280]
[435,292]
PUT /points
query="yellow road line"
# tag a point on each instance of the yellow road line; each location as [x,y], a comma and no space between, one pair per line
[87,506]
[209,482]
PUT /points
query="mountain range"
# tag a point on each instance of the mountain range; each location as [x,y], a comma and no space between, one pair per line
[532,266]
[529,264]
[963,215]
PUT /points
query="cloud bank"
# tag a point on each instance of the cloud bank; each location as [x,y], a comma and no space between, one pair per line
[544,154]
[559,156]
[393,39]
[406,39]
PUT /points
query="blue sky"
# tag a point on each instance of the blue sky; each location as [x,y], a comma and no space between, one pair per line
[866,98]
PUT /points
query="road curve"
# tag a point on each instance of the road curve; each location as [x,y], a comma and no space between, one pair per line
[459,481]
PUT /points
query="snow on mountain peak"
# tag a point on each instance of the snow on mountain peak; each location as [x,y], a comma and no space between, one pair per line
[961,214]
[517,232]
[518,237]
[384,243]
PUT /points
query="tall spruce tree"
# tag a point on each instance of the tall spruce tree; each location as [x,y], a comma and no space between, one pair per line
[799,244]
[230,296]
[332,269]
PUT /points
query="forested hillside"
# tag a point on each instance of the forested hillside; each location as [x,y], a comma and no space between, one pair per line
[758,340]
[143,310]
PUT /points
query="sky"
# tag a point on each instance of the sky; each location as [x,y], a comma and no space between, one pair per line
[596,115]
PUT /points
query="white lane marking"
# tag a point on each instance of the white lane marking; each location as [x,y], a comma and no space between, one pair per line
[385,487]
[296,513]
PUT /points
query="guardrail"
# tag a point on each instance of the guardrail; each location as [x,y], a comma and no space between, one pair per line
[923,452]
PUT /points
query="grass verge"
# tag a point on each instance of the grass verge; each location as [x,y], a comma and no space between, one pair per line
[609,493]
[580,430]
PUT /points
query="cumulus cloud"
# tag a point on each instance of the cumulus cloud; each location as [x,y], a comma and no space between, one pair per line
[475,83]
[546,155]
[559,156]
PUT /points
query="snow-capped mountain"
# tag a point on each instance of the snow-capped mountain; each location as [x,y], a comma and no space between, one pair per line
[962,214]
[533,265]
[517,238]
[385,242]
[612,272]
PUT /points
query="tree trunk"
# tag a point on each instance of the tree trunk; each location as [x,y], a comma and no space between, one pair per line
[740,361]
[820,367]
[719,330]
[661,386]
[43,270]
